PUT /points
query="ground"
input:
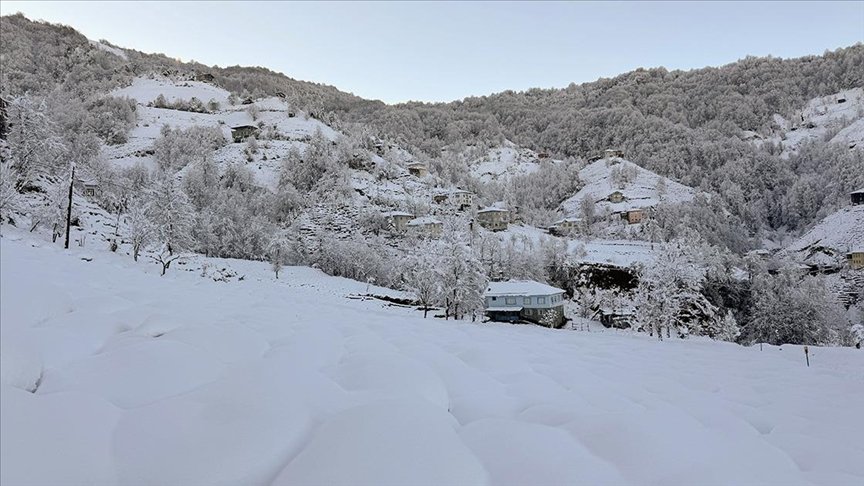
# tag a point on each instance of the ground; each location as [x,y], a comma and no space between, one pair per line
[141,379]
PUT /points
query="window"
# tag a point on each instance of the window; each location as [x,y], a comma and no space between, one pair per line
[510,300]
[541,300]
[526,301]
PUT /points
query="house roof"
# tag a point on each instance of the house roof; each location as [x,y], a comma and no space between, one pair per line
[859,191]
[493,210]
[238,127]
[423,221]
[398,213]
[567,220]
[520,287]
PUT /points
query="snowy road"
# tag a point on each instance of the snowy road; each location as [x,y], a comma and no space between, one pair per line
[182,380]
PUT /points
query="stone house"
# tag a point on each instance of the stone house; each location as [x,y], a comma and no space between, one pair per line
[398,220]
[494,219]
[856,258]
[425,226]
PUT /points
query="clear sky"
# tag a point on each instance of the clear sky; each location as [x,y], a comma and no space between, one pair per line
[441,51]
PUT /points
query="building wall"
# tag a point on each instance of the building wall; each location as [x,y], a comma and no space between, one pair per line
[856,260]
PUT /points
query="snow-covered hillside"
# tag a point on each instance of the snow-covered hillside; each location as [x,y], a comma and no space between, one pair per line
[838,118]
[503,162]
[139,379]
[830,240]
[640,188]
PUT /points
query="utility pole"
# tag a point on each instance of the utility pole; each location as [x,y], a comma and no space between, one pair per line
[69,209]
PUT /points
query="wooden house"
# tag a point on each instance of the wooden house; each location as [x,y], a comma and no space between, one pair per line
[418,169]
[524,300]
[494,219]
[857,197]
[241,132]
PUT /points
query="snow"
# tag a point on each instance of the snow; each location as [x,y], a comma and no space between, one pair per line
[823,117]
[182,379]
[521,287]
[113,50]
[839,232]
[503,162]
[640,192]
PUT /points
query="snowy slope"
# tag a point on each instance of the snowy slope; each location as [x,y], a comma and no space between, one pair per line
[825,117]
[178,380]
[503,162]
[838,233]
[641,191]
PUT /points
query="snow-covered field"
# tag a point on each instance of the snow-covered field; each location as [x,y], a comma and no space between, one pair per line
[183,380]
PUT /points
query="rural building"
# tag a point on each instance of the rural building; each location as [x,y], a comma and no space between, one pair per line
[494,219]
[89,187]
[205,77]
[524,300]
[242,132]
[417,169]
[617,318]
[616,197]
[425,226]
[398,220]
[633,216]
[858,197]
[856,258]
[613,153]
[543,155]
[564,226]
[461,199]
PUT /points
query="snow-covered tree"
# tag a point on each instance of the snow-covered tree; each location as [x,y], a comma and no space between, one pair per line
[139,230]
[171,216]
[460,273]
[34,144]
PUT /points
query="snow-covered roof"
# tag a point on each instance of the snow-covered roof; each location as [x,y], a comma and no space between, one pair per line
[461,191]
[859,191]
[492,210]
[503,309]
[567,220]
[238,127]
[398,213]
[521,287]
[423,221]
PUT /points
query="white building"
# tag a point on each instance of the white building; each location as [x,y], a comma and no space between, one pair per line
[524,300]
[426,226]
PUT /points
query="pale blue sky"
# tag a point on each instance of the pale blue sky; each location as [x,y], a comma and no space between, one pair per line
[444,51]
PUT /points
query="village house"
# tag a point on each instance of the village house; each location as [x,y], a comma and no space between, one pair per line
[493,219]
[241,132]
[425,226]
[618,318]
[398,220]
[524,300]
[633,216]
[615,197]
[89,186]
[564,226]
[204,77]
[857,197]
[613,153]
[418,169]
[856,258]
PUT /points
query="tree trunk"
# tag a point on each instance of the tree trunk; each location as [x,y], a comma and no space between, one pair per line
[425,311]
[135,250]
